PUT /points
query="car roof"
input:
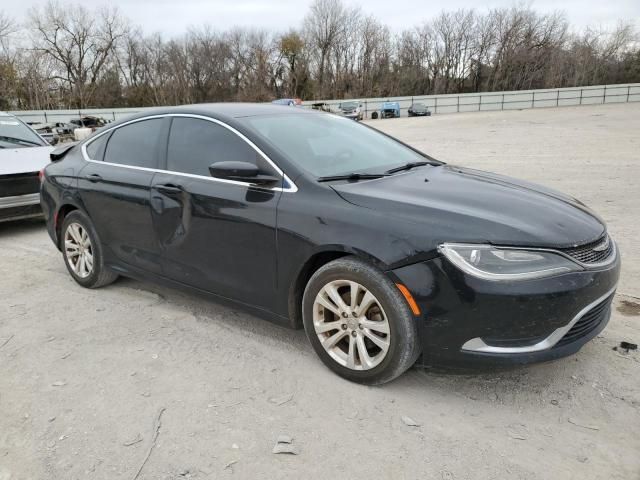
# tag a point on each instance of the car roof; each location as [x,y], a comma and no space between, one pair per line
[231,110]
[225,112]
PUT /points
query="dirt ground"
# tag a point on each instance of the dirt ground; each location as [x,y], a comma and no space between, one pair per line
[94,382]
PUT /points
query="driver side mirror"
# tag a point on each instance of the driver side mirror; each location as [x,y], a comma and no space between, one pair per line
[241,172]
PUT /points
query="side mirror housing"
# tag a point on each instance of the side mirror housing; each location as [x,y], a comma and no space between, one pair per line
[241,172]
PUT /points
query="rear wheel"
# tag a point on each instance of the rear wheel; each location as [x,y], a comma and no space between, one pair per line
[359,323]
[82,252]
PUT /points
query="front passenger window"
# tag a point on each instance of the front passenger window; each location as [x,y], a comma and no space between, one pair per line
[135,144]
[195,144]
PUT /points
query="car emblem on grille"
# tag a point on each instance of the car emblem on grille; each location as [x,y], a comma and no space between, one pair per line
[603,246]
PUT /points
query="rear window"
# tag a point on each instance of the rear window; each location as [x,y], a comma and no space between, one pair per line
[95,149]
[135,144]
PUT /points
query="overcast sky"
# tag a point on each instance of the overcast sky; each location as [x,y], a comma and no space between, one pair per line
[172,17]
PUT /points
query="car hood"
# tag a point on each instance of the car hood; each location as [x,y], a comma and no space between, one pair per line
[465,205]
[24,159]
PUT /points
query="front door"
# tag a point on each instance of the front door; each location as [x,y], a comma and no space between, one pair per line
[217,235]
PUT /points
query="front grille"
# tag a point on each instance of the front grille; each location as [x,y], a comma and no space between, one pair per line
[594,252]
[19,184]
[588,322]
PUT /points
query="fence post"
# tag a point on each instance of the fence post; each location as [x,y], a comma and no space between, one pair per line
[113,114]
[458,104]
[480,103]
[557,98]
[45,117]
[604,97]
[628,91]
[533,99]
[502,103]
[435,107]
[366,111]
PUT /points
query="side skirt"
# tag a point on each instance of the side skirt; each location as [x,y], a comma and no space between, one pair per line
[144,276]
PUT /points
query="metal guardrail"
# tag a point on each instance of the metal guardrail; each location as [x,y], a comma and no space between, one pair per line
[438,104]
[513,100]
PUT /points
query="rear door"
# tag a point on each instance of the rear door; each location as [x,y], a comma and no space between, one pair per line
[115,189]
[216,235]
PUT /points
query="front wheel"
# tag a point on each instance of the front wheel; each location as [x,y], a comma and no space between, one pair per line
[359,323]
[82,252]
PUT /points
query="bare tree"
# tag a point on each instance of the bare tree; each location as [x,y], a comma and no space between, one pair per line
[82,56]
[7,28]
[325,23]
[79,41]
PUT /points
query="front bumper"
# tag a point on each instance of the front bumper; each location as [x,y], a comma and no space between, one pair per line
[469,322]
[353,116]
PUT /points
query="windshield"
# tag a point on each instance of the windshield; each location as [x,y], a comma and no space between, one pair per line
[419,106]
[15,134]
[348,105]
[327,145]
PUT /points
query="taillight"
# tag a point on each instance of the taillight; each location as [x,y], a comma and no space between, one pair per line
[41,175]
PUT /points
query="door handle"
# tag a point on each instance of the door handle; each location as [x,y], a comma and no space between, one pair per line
[168,188]
[94,177]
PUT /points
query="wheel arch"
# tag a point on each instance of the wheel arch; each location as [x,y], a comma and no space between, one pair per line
[65,209]
[320,257]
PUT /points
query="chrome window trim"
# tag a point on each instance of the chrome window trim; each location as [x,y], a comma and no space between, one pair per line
[479,345]
[291,188]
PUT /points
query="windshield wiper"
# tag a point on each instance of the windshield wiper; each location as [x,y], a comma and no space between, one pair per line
[352,176]
[407,166]
[18,140]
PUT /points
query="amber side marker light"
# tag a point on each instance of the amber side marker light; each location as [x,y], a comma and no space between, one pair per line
[409,298]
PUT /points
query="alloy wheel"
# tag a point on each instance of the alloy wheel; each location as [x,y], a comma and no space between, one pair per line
[351,325]
[78,250]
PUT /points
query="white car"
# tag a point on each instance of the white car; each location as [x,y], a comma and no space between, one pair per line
[23,153]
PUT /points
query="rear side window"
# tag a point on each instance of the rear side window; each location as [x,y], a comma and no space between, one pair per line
[135,144]
[195,144]
[95,149]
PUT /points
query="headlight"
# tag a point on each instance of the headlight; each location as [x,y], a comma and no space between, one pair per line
[496,263]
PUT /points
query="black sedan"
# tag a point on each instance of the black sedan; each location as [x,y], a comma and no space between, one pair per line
[419,110]
[385,255]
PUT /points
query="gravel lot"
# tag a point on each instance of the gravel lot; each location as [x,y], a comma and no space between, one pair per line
[85,375]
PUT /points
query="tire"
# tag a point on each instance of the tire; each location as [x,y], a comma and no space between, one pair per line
[75,228]
[374,116]
[400,346]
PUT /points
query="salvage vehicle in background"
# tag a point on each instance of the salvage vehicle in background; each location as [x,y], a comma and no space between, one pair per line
[351,110]
[47,131]
[322,106]
[388,110]
[23,153]
[89,121]
[383,254]
[65,129]
[419,110]
[291,102]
